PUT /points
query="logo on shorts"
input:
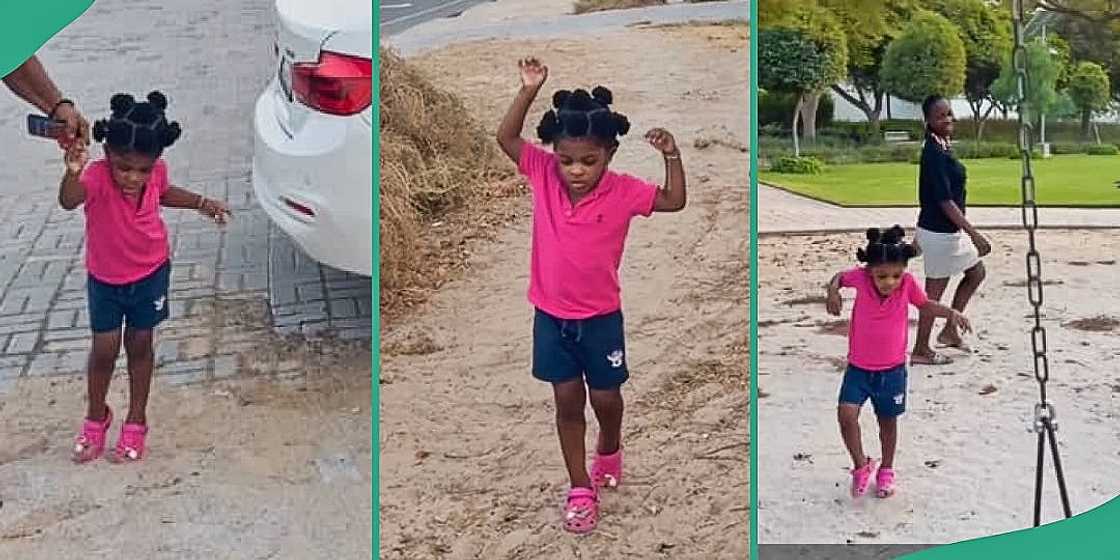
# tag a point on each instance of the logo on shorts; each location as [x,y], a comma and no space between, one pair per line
[160,302]
[615,358]
[899,398]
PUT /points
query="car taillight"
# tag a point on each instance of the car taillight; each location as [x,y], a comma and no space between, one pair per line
[338,84]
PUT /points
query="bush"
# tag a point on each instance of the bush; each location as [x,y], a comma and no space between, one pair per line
[1067,134]
[850,142]
[974,150]
[799,165]
[887,153]
[916,129]
[1064,148]
[1063,131]
[772,130]
[833,151]
[860,132]
[777,109]
[854,132]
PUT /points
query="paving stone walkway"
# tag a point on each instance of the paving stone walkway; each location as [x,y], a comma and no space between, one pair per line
[212,58]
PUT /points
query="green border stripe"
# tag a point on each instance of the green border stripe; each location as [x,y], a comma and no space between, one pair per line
[29,25]
[1090,535]
[754,279]
[375,343]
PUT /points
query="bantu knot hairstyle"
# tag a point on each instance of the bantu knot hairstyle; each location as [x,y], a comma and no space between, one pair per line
[886,247]
[137,127]
[579,114]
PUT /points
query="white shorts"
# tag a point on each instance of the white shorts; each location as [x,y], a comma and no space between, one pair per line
[945,255]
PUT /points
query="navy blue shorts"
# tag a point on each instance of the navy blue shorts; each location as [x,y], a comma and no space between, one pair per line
[140,305]
[594,348]
[886,389]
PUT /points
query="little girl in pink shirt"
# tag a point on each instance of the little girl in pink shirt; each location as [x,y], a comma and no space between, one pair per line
[877,338]
[581,215]
[127,258]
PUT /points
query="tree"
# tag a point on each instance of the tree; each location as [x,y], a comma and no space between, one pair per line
[1090,40]
[1043,71]
[985,31]
[1064,108]
[826,31]
[1096,11]
[1063,57]
[774,11]
[790,60]
[867,40]
[823,29]
[1089,91]
[928,58]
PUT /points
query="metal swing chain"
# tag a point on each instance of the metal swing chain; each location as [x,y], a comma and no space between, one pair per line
[1045,422]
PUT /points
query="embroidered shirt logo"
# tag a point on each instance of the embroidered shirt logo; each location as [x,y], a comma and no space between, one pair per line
[615,358]
[159,303]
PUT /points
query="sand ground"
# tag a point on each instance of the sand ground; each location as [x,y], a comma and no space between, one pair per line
[258,463]
[965,459]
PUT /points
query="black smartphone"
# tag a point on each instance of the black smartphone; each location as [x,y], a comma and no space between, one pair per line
[44,127]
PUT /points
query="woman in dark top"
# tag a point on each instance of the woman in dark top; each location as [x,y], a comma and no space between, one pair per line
[949,244]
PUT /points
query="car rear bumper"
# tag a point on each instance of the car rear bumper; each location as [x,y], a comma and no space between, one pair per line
[317,184]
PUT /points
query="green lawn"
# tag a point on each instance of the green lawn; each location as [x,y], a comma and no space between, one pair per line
[1071,180]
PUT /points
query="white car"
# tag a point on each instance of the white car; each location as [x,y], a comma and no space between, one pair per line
[312,156]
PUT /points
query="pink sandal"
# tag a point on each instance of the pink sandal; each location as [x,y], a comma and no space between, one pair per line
[581,514]
[861,478]
[90,443]
[606,470]
[130,445]
[884,482]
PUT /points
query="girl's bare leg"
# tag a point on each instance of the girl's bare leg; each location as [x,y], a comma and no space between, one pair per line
[99,373]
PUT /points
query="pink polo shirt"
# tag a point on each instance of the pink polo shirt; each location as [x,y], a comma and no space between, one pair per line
[577,250]
[879,330]
[124,243]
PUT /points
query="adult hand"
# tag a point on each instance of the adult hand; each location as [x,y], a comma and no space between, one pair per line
[77,127]
[32,84]
[533,73]
[981,243]
[961,321]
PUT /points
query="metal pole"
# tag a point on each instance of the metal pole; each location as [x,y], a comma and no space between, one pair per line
[1042,115]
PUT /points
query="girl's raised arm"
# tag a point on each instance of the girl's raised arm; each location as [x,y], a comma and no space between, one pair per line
[672,198]
[71,193]
[533,76]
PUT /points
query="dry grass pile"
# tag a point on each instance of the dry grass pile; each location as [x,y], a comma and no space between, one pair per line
[434,157]
[584,6]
